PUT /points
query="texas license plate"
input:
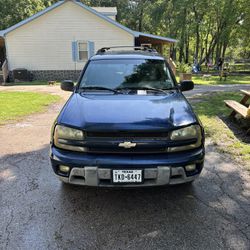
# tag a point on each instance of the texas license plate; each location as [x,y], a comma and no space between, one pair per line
[127,176]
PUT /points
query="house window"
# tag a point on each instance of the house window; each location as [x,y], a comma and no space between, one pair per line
[82,51]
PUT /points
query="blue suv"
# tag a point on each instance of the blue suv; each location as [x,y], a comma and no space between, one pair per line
[127,123]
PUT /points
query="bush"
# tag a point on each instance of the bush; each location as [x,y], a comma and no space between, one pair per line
[184,68]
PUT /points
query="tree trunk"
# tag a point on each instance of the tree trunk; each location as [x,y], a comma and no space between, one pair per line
[211,47]
[198,18]
[187,50]
[181,53]
[202,52]
[225,44]
[140,19]
[182,40]
[173,52]
[197,42]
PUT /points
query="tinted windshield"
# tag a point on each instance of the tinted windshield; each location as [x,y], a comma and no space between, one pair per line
[127,73]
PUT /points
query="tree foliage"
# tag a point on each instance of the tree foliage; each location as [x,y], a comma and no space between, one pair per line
[206,29]
[12,11]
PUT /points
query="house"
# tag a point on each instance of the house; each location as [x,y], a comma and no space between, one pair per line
[55,44]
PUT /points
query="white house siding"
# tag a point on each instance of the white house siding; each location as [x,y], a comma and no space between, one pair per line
[46,42]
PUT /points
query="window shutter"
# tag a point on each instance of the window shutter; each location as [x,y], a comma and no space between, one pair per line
[74,51]
[91,48]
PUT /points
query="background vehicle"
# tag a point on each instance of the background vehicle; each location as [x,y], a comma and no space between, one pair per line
[127,123]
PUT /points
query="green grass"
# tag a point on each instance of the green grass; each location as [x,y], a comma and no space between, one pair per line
[31,83]
[210,110]
[215,80]
[15,105]
[240,67]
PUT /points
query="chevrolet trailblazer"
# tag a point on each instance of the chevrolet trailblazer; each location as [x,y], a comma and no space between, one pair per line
[127,123]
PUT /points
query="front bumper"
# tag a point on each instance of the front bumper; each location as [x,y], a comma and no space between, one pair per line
[96,170]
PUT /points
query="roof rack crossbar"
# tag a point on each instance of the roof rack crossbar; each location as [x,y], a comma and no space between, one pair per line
[142,48]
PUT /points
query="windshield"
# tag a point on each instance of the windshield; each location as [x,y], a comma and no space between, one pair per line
[127,73]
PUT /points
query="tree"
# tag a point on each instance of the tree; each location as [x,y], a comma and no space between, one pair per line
[12,12]
[206,29]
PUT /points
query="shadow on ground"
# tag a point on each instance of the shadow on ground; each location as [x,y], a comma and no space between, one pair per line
[212,105]
[239,127]
[38,212]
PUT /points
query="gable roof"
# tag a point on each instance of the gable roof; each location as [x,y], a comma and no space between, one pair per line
[40,13]
[167,39]
[91,10]
[107,11]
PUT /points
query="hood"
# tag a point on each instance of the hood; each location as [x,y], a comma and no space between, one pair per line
[126,112]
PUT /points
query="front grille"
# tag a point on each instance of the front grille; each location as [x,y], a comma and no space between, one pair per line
[117,150]
[132,143]
[108,142]
[127,134]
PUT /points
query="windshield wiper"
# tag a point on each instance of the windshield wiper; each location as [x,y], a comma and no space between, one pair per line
[172,88]
[143,88]
[98,88]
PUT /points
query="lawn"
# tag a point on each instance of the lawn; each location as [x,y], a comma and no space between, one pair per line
[240,67]
[32,83]
[197,79]
[214,116]
[15,105]
[215,80]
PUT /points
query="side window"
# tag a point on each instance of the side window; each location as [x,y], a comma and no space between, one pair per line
[82,51]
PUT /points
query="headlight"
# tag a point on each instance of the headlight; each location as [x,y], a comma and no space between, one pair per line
[191,132]
[68,138]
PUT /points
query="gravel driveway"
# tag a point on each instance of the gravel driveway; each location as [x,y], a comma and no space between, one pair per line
[201,89]
[37,212]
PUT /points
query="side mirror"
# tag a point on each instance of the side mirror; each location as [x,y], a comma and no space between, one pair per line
[67,85]
[186,85]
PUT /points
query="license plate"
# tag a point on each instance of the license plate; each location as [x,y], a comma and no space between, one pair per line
[127,176]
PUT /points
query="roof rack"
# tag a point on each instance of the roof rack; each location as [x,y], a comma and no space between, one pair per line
[136,48]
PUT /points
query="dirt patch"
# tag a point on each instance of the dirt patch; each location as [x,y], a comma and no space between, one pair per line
[53,90]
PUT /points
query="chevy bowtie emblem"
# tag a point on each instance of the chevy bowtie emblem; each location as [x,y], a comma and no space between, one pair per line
[127,144]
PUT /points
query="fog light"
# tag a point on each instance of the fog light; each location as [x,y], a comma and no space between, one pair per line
[190,168]
[64,169]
